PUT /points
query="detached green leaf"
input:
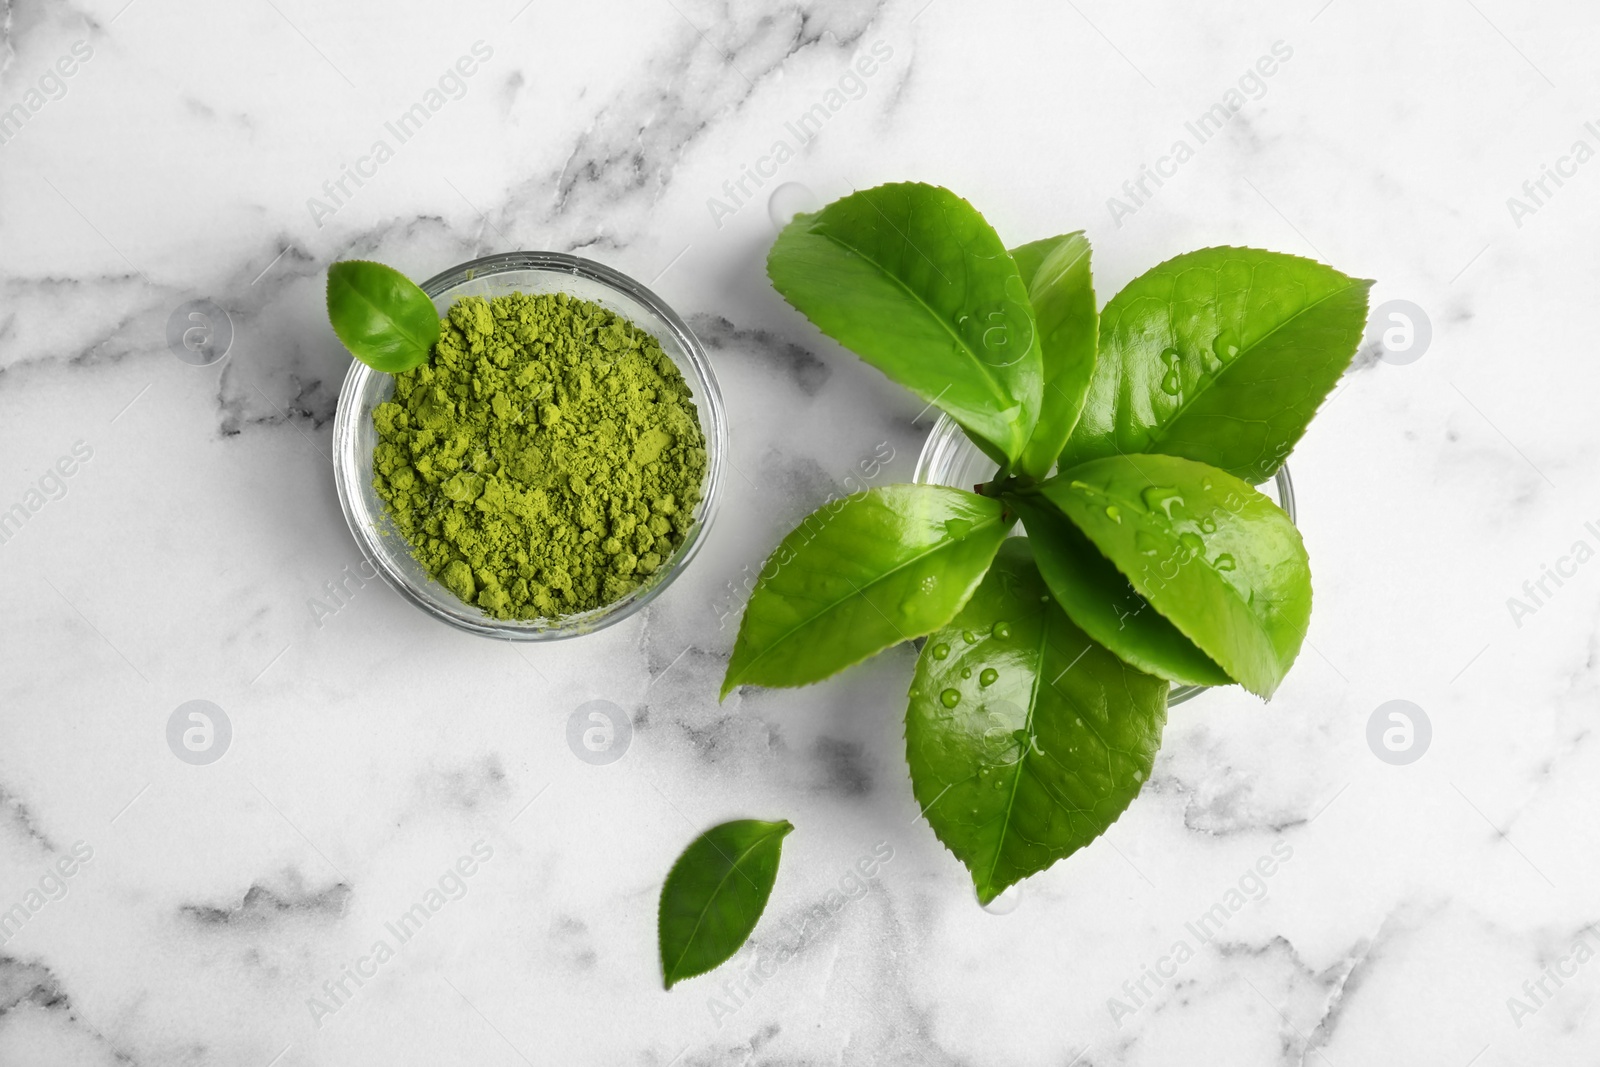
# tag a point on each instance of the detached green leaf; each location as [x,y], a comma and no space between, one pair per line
[381,316]
[1097,597]
[715,894]
[1061,289]
[860,575]
[1221,356]
[1025,738]
[1222,562]
[913,280]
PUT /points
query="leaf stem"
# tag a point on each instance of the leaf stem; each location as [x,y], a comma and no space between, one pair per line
[1005,482]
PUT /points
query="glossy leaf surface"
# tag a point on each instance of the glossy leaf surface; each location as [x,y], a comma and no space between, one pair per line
[862,574]
[1222,562]
[1025,738]
[381,316]
[1061,289]
[913,280]
[1221,356]
[1099,599]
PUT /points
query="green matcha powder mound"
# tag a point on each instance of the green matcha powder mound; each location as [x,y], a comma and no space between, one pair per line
[545,461]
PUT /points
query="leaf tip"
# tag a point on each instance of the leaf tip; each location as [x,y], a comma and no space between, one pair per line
[1263,691]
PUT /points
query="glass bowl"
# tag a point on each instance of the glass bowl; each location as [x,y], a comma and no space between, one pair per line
[950,458]
[354,437]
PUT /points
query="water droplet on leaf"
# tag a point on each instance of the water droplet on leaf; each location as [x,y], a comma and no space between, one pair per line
[1002,629]
[791,199]
[988,677]
[1005,903]
[1226,346]
[950,698]
[1113,513]
[1224,562]
[941,650]
[1163,498]
[1171,383]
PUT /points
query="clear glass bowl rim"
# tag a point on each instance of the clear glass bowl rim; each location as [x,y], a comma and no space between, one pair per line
[948,443]
[347,463]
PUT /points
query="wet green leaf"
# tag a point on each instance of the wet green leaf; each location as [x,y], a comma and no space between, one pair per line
[1221,356]
[1025,738]
[1097,597]
[1220,561]
[860,575]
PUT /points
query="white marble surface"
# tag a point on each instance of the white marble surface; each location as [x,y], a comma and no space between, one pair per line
[369,752]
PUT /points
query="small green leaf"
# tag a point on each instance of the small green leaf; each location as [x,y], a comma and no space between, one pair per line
[1221,356]
[381,316]
[1097,597]
[1222,562]
[1061,289]
[860,575]
[715,894]
[913,280]
[1025,738]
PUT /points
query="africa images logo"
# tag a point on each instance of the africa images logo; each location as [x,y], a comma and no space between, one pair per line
[450,886]
[852,85]
[451,85]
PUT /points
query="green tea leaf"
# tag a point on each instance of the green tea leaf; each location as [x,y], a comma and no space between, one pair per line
[914,281]
[1097,597]
[1222,562]
[381,316]
[1221,356]
[1025,738]
[860,575]
[1061,289]
[715,894]
[1028,257]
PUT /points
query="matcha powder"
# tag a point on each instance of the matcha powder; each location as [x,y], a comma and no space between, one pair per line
[546,460]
